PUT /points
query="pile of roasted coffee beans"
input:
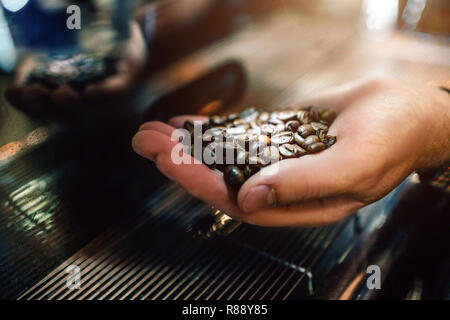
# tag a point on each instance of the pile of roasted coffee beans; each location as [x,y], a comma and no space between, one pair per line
[240,145]
[75,71]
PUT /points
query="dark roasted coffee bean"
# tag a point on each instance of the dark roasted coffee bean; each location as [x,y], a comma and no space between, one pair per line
[291,151]
[240,122]
[299,140]
[310,140]
[314,114]
[242,140]
[253,133]
[250,170]
[270,154]
[234,177]
[305,130]
[286,115]
[256,161]
[255,147]
[208,137]
[232,117]
[276,121]
[318,126]
[264,116]
[189,126]
[329,140]
[241,157]
[282,138]
[327,115]
[316,147]
[236,131]
[303,116]
[249,114]
[321,134]
[226,152]
[255,125]
[263,139]
[217,121]
[269,129]
[292,125]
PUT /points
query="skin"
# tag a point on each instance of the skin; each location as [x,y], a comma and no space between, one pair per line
[32,97]
[386,129]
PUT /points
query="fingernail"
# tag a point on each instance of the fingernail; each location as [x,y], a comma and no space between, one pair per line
[258,198]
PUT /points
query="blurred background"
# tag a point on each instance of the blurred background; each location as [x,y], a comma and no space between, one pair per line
[70,184]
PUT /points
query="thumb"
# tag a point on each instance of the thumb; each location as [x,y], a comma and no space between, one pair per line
[311,177]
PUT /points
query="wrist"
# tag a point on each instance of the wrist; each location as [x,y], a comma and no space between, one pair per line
[436,122]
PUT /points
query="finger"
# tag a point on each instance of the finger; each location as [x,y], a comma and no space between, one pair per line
[158,126]
[329,173]
[197,179]
[309,214]
[178,122]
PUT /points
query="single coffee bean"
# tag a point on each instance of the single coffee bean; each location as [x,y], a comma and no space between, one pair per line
[250,170]
[291,151]
[256,162]
[322,134]
[314,114]
[282,138]
[241,157]
[305,130]
[276,121]
[255,124]
[217,120]
[232,117]
[240,122]
[292,125]
[286,115]
[303,116]
[234,177]
[236,131]
[226,152]
[253,133]
[264,116]
[242,140]
[269,129]
[207,137]
[300,140]
[249,114]
[217,131]
[310,140]
[327,115]
[270,154]
[189,126]
[316,147]
[329,140]
[318,126]
[255,147]
[264,139]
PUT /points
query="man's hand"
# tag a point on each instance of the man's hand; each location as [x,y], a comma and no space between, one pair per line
[34,97]
[385,130]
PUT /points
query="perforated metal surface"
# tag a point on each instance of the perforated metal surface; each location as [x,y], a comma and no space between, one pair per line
[155,258]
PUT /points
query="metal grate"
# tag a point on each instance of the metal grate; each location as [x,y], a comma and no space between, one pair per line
[154,257]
